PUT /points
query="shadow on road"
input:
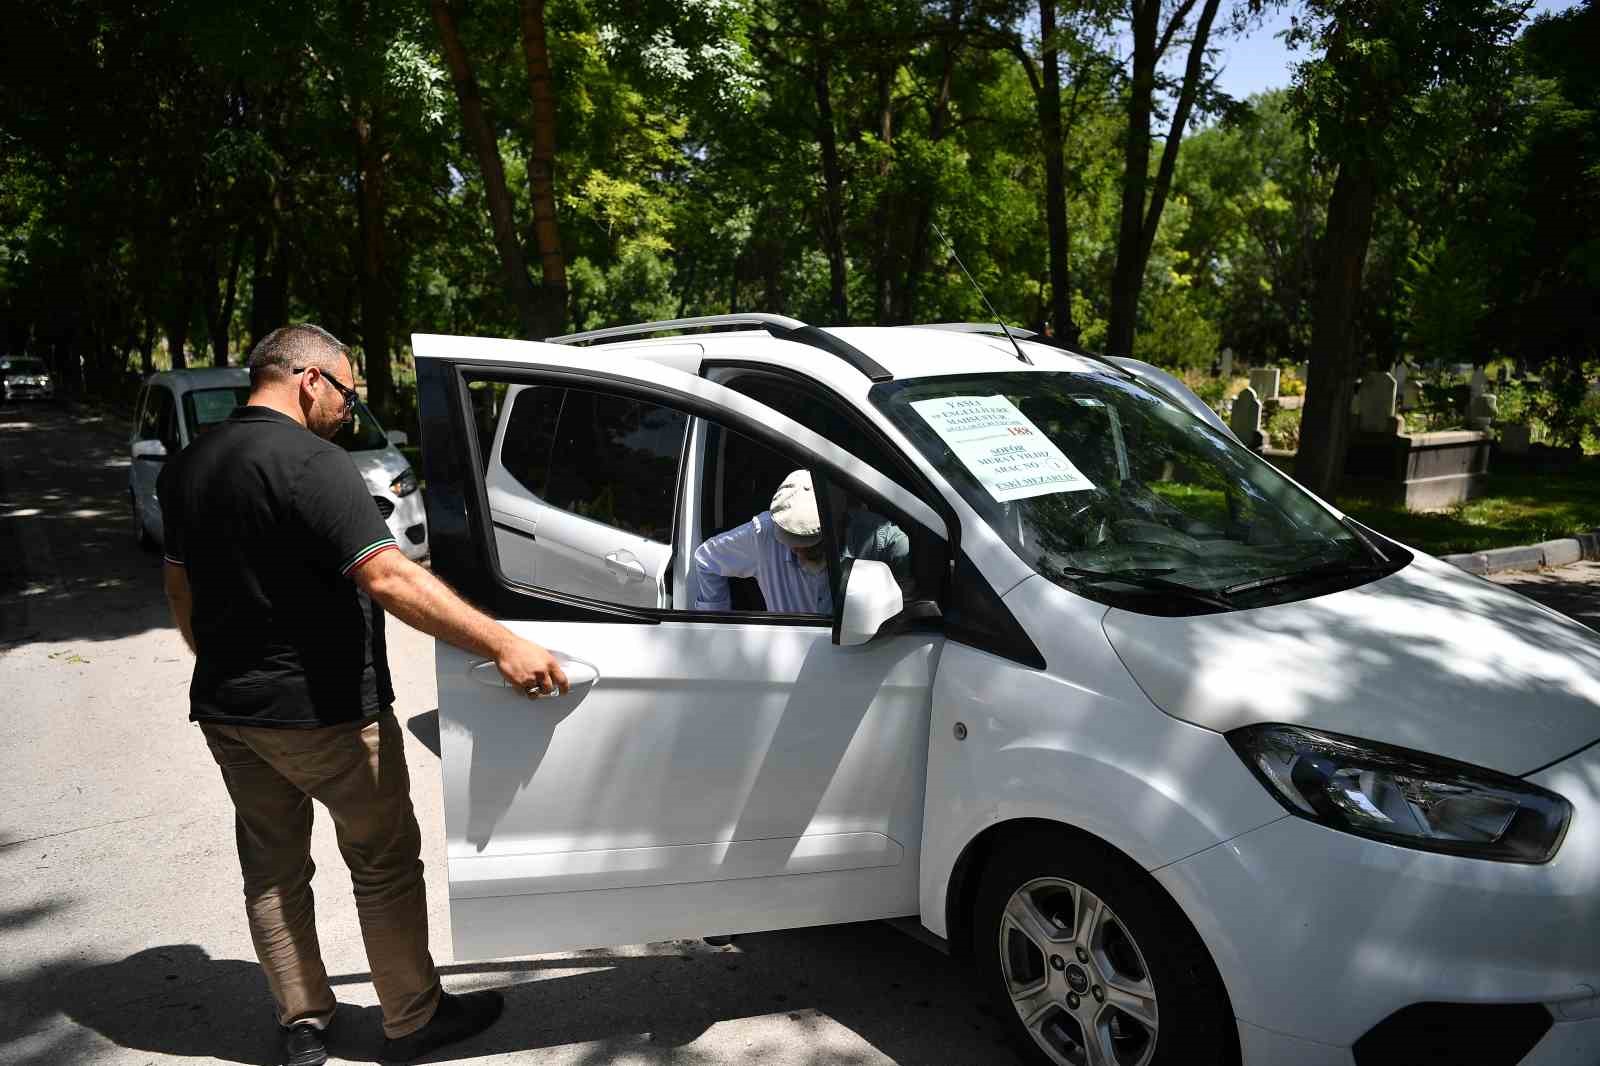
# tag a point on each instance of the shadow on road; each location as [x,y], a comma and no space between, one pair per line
[910,1004]
[425,727]
[1575,599]
[70,564]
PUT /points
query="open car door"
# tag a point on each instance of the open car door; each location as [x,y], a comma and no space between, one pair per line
[711,771]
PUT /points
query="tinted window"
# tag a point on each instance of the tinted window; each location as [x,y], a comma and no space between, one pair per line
[615,461]
[205,408]
[823,417]
[159,419]
[530,434]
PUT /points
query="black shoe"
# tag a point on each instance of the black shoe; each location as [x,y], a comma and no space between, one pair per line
[302,1045]
[456,1018]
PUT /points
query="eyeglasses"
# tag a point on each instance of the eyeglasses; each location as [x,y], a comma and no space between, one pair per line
[350,395]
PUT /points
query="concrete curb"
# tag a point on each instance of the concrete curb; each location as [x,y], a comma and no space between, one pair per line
[1529,556]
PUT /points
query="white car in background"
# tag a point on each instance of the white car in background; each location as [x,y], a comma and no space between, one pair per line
[175,407]
[24,377]
[1192,767]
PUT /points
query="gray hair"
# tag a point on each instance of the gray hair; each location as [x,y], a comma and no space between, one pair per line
[289,348]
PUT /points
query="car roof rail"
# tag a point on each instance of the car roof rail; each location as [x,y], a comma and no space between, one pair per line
[986,328]
[780,326]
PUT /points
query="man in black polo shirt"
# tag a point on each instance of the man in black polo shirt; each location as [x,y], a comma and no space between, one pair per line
[276,563]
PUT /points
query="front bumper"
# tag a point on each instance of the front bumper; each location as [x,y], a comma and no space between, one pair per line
[16,391]
[1320,935]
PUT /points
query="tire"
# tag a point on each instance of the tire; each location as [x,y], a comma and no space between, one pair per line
[146,541]
[1134,987]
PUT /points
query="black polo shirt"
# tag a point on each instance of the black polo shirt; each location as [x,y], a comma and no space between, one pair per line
[270,520]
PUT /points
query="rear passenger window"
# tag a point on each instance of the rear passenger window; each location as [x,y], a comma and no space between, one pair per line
[530,435]
[615,461]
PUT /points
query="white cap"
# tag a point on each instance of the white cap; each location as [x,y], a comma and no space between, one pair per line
[794,511]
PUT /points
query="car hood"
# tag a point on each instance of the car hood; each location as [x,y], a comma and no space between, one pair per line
[380,466]
[1427,658]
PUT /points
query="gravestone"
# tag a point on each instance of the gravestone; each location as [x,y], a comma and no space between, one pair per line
[1411,395]
[1480,384]
[1245,420]
[1377,404]
[1226,361]
[1516,438]
[1402,378]
[1481,410]
[1265,382]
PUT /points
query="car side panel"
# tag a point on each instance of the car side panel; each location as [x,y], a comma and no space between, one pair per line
[1076,743]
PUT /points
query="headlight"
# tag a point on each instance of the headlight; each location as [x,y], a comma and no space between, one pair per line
[1404,797]
[404,485]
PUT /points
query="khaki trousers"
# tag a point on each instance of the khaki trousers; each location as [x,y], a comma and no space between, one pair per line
[359,774]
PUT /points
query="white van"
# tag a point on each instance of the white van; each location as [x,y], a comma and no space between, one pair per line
[177,406]
[1191,767]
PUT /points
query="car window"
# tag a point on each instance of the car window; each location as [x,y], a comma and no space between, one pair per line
[159,418]
[744,563]
[821,414]
[205,409]
[530,435]
[615,461]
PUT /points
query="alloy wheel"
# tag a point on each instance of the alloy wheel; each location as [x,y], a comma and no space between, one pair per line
[1076,977]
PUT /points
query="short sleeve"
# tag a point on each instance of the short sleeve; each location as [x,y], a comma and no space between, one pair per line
[334,508]
[172,525]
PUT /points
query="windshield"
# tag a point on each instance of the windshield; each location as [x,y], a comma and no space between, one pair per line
[362,433]
[23,366]
[1105,487]
[205,408]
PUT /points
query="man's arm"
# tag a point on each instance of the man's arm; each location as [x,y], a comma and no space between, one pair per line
[730,554]
[423,602]
[176,580]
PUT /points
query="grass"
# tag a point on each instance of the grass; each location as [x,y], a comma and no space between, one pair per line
[1516,508]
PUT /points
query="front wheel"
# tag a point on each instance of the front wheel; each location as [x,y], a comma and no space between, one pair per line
[1091,964]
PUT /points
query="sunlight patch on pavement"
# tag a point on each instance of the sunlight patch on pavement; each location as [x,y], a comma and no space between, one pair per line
[22,512]
[88,512]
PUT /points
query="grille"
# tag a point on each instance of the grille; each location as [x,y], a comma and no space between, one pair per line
[385,506]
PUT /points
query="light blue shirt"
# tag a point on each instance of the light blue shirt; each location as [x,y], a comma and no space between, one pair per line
[754,550]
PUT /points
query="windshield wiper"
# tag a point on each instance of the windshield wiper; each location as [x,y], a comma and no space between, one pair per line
[1147,578]
[1331,568]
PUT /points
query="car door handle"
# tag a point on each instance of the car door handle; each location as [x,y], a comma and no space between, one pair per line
[580,676]
[626,566]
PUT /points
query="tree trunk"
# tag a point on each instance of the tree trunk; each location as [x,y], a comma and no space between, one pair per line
[370,217]
[513,268]
[541,170]
[178,327]
[269,289]
[832,190]
[883,222]
[917,260]
[1127,274]
[229,299]
[1325,420]
[1136,231]
[1055,189]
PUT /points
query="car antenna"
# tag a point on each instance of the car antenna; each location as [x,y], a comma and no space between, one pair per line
[1020,354]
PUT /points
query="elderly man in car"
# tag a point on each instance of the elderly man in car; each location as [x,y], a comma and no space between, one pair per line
[782,548]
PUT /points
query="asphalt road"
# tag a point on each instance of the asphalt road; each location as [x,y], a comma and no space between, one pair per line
[122,933]
[122,937]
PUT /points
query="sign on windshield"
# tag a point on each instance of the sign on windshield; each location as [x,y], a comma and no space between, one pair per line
[1010,456]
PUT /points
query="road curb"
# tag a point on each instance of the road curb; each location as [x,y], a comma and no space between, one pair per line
[1560,552]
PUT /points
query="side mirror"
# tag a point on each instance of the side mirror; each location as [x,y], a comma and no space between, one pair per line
[149,449]
[397,437]
[871,598]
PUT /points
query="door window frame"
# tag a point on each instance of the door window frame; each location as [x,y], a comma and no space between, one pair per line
[462,532]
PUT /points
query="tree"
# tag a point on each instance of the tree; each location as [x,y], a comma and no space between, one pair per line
[1363,101]
[486,147]
[1144,197]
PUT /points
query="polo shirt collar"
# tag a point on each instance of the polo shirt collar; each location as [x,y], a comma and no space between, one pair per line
[256,413]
